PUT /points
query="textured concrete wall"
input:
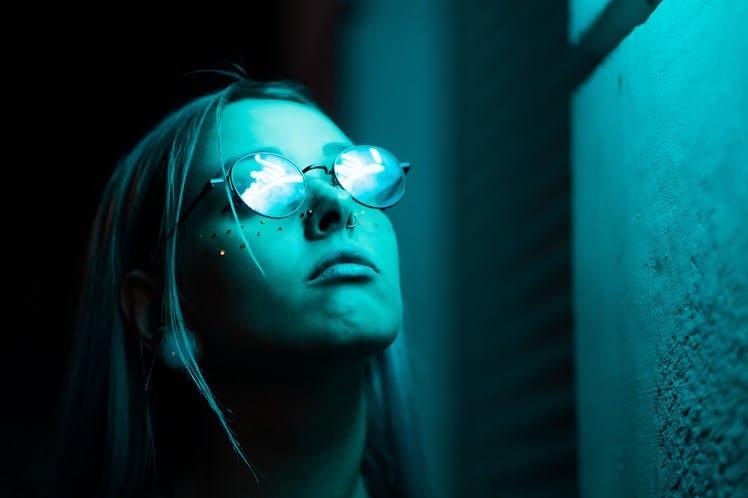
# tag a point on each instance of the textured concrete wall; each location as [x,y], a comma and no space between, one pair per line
[660,255]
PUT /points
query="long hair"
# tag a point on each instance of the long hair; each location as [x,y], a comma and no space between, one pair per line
[106,438]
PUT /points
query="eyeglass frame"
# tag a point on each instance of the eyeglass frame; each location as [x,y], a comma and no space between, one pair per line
[211,183]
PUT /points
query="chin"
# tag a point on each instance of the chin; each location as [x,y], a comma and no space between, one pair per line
[354,344]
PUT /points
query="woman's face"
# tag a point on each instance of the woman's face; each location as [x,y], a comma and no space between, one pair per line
[238,313]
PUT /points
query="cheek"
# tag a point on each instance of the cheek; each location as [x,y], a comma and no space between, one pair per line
[252,243]
[373,221]
[210,267]
[377,232]
[222,284]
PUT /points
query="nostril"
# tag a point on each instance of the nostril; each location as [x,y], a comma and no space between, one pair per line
[328,219]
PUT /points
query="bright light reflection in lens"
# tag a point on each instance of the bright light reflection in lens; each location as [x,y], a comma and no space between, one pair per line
[356,176]
[272,182]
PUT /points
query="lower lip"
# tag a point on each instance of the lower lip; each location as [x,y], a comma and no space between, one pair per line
[345,271]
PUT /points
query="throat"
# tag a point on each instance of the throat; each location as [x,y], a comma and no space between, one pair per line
[302,439]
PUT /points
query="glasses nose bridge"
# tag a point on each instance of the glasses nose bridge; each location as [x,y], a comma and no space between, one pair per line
[330,208]
[327,195]
[328,171]
[319,188]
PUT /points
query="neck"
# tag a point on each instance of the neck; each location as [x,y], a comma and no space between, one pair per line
[303,435]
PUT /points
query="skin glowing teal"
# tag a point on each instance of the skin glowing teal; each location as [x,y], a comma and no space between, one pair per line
[245,311]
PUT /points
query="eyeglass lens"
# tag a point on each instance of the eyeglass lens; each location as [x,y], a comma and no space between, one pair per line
[273,186]
[269,184]
[371,175]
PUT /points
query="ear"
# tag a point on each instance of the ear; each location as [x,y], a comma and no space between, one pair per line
[140,300]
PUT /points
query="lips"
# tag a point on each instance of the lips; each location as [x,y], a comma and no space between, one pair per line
[341,257]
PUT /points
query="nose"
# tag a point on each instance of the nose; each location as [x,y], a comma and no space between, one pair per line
[331,208]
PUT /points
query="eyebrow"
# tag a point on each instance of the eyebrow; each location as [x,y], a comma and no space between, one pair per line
[334,148]
[236,157]
[327,150]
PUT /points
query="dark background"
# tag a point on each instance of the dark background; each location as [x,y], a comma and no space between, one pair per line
[71,110]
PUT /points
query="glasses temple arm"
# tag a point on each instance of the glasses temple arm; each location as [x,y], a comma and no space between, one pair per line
[209,185]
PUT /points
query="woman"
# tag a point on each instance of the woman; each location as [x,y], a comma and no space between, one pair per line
[239,328]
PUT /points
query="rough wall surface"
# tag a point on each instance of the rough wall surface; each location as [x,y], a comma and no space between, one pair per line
[660,253]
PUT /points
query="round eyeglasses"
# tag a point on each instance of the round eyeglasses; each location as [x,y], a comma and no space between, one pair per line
[272,185]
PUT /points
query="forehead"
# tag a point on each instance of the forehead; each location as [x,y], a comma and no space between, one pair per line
[298,131]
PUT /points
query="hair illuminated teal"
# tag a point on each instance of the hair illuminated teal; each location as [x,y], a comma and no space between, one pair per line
[107,429]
